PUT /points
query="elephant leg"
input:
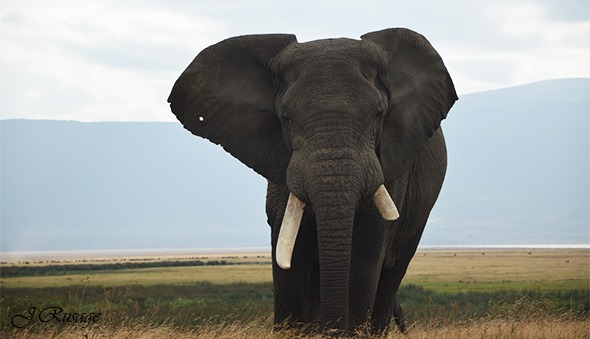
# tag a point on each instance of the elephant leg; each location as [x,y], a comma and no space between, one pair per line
[398,316]
[293,291]
[296,291]
[386,305]
[296,295]
[369,235]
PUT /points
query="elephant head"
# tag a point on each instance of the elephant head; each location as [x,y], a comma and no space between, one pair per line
[332,120]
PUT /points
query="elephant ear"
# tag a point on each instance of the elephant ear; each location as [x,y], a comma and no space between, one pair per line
[226,95]
[421,94]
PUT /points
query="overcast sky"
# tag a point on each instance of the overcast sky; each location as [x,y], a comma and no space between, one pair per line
[117,60]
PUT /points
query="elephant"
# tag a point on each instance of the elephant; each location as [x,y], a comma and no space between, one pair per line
[348,135]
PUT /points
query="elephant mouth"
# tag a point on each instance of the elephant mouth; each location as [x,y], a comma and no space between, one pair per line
[294,214]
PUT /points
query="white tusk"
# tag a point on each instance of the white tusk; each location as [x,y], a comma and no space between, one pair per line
[385,204]
[288,232]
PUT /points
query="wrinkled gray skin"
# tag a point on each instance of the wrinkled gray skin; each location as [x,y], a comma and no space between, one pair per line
[330,121]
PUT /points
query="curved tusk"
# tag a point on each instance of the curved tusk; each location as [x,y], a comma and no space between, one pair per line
[288,232]
[385,204]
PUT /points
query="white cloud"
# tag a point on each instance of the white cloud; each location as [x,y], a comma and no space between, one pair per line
[552,48]
[113,60]
[525,45]
[121,61]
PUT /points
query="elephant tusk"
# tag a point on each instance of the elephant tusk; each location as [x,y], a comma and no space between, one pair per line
[288,232]
[385,204]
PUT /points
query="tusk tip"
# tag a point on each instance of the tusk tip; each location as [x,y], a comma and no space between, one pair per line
[284,264]
[391,216]
[385,204]
[288,232]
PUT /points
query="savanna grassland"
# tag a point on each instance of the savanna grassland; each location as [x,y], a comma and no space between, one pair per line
[446,293]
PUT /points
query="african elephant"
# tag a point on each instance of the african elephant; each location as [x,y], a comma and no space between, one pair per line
[347,133]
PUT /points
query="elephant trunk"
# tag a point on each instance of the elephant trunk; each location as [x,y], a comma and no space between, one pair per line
[334,208]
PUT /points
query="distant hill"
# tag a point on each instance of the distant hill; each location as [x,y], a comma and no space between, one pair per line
[518,174]
[70,186]
[518,167]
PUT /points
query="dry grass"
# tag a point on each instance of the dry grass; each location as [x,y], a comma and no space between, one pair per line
[543,327]
[499,328]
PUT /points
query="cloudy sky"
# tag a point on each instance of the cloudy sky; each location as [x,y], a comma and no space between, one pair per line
[117,60]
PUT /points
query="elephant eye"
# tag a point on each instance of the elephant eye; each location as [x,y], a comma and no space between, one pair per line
[287,118]
[380,113]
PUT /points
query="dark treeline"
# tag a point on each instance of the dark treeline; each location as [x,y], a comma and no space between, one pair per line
[43,270]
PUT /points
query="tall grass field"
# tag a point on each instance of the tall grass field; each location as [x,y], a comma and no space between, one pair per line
[538,293]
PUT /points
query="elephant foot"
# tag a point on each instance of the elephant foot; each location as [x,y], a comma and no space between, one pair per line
[298,329]
[398,317]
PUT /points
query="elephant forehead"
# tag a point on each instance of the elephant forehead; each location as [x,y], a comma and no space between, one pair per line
[337,56]
[309,97]
[329,75]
